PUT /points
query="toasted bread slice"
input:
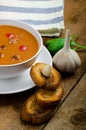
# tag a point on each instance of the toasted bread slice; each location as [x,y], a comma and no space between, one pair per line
[46,98]
[34,113]
[50,83]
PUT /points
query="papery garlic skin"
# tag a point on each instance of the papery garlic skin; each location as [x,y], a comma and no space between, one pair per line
[47,71]
[66,60]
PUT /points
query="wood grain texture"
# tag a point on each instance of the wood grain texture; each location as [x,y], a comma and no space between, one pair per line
[75,18]
[10,105]
[72,113]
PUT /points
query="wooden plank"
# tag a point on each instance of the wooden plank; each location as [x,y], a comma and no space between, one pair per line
[8,117]
[68,82]
[19,125]
[11,116]
[72,113]
[10,107]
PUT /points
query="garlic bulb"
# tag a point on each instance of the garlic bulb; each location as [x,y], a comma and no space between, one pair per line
[47,71]
[66,60]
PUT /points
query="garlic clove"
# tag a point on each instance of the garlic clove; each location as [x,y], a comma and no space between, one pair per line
[66,60]
[76,58]
[47,71]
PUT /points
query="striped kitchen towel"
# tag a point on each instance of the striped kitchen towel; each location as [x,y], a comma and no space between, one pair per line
[44,15]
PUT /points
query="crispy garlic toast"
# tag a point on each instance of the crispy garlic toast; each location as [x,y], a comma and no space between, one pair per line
[50,83]
[47,99]
[34,113]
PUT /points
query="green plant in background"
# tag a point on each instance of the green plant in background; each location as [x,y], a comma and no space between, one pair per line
[56,44]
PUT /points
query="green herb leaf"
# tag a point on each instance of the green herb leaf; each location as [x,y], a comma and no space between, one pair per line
[56,44]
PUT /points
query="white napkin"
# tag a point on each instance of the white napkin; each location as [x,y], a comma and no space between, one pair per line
[44,15]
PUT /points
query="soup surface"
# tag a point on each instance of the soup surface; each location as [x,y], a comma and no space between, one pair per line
[16,45]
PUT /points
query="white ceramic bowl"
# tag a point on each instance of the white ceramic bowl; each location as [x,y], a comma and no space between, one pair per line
[10,71]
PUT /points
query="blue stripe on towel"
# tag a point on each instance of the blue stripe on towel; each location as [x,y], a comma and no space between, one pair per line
[50,21]
[31,10]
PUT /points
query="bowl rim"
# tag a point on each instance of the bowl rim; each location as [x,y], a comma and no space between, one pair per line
[32,28]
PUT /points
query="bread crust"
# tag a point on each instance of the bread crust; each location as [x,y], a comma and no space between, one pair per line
[47,99]
[41,106]
[50,83]
[32,112]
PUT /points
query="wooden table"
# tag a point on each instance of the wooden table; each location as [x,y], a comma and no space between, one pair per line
[70,114]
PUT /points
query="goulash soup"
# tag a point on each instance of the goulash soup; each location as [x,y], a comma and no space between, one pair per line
[16,45]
